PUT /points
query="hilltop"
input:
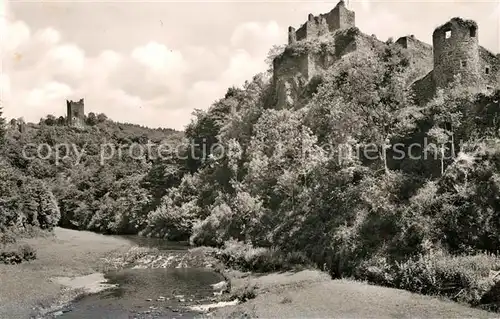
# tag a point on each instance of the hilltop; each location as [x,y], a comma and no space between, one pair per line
[325,39]
[96,172]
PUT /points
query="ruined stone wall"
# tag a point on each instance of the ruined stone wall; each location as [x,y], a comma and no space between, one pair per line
[403,41]
[456,52]
[316,26]
[415,45]
[410,42]
[75,112]
[359,42]
[301,62]
[292,36]
[340,18]
[291,73]
[489,68]
[313,28]
[424,88]
[420,54]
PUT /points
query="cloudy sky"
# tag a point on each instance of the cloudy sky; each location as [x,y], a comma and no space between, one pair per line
[153,63]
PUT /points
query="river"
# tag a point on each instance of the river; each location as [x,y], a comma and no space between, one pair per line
[164,292]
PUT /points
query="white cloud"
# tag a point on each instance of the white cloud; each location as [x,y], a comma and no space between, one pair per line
[48,35]
[158,57]
[124,101]
[14,34]
[67,58]
[242,67]
[48,93]
[109,58]
[365,4]
[4,87]
[257,38]
[204,93]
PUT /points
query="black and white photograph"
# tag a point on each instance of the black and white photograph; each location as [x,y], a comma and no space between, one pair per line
[249,159]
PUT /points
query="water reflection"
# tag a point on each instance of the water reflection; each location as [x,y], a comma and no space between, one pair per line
[159,293]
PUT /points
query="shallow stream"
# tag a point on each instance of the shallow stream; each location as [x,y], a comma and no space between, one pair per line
[165,291]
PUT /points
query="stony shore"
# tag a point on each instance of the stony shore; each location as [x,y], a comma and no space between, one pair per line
[30,288]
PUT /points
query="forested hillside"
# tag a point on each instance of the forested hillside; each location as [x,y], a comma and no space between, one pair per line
[345,179]
[95,182]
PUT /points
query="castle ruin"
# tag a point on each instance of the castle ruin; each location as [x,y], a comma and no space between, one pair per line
[75,113]
[316,26]
[293,70]
[455,51]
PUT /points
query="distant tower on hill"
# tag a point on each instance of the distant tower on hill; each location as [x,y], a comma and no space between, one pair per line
[75,113]
[456,52]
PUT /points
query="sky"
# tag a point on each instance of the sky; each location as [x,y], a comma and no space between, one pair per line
[153,63]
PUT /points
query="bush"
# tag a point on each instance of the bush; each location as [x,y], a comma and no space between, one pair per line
[377,270]
[7,237]
[461,278]
[243,256]
[491,299]
[28,253]
[16,255]
[245,293]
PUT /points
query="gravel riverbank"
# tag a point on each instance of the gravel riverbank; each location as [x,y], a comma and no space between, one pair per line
[29,288]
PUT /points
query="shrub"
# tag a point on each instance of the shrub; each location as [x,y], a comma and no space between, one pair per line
[245,257]
[491,299]
[245,293]
[462,278]
[28,253]
[377,270]
[16,255]
[7,238]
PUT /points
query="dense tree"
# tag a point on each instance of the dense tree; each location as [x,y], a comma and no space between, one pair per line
[94,181]
[101,117]
[365,99]
[50,120]
[2,126]
[92,119]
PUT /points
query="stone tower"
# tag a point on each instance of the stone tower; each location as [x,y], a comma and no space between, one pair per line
[340,17]
[75,113]
[456,52]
